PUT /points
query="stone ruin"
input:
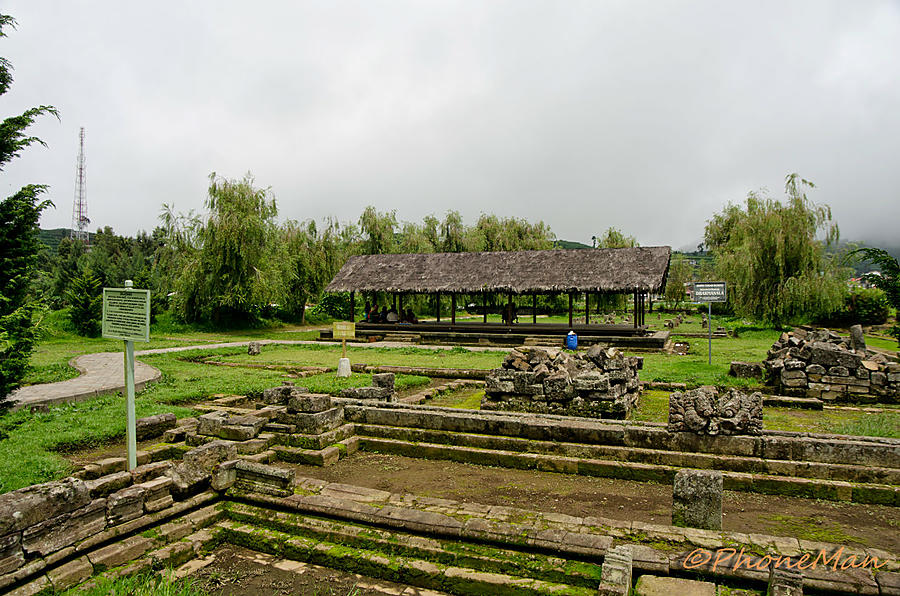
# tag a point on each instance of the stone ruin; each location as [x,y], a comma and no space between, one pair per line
[706,411]
[601,383]
[382,388]
[820,363]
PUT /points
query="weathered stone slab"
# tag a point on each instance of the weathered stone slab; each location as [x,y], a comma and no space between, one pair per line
[31,505]
[254,348]
[313,423]
[11,555]
[110,483]
[383,380]
[615,575]
[381,393]
[746,370]
[154,426]
[697,499]
[71,573]
[651,585]
[784,582]
[196,467]
[309,402]
[125,505]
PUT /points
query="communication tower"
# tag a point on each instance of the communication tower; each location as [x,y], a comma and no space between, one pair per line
[80,219]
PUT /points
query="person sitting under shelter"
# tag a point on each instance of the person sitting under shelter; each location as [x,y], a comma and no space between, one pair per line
[509,314]
[382,316]
[410,316]
[392,316]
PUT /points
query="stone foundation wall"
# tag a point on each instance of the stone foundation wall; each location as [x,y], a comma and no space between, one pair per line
[601,383]
[820,363]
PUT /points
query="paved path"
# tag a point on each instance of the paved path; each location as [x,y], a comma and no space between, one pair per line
[104,372]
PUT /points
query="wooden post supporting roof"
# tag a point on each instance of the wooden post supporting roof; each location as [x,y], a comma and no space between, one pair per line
[587,308]
[484,305]
[570,309]
[437,300]
[453,308]
[534,308]
[352,307]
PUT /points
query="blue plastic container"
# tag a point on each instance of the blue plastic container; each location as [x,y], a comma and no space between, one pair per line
[571,340]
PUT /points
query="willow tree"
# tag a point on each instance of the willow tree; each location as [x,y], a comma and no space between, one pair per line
[773,256]
[312,256]
[378,231]
[230,277]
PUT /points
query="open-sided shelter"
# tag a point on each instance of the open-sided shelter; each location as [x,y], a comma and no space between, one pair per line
[637,271]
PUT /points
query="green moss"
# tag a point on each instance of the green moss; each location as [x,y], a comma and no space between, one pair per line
[808,528]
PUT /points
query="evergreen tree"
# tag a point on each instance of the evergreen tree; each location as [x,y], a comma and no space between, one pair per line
[19,244]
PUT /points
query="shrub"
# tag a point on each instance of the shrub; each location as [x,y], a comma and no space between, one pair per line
[85,296]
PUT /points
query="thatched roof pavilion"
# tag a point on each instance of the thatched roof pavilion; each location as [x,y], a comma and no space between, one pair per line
[638,271]
[602,270]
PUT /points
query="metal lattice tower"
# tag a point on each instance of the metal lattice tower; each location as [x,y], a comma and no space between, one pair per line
[80,219]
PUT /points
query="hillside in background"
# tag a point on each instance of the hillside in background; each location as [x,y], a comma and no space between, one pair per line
[51,238]
[569,244]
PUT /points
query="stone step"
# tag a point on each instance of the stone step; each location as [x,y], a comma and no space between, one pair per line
[829,490]
[732,463]
[477,557]
[389,565]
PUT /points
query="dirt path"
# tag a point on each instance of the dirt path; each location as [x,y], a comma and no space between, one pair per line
[868,525]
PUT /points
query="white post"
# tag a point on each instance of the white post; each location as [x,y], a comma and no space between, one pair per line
[130,431]
[709,328]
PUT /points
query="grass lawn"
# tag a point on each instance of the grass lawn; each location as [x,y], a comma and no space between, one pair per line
[654,407]
[50,360]
[881,342]
[328,355]
[693,369]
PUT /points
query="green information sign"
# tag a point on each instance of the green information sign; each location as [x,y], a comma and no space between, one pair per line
[126,314]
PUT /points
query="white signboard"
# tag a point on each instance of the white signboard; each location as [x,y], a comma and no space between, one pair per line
[709,291]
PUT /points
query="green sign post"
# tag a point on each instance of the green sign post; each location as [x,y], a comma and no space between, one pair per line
[126,316]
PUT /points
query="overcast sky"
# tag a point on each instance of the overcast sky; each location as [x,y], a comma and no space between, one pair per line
[646,116]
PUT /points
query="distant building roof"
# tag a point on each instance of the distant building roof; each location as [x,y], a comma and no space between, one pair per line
[607,270]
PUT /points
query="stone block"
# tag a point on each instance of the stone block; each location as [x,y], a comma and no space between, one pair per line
[383,380]
[157,494]
[839,371]
[11,555]
[378,393]
[154,426]
[31,505]
[815,369]
[746,370]
[615,575]
[125,505]
[69,574]
[254,348]
[108,484]
[315,423]
[64,530]
[230,427]
[264,479]
[697,499]
[119,552]
[784,582]
[591,381]
[309,402]
[651,585]
[196,467]
[828,355]
[150,471]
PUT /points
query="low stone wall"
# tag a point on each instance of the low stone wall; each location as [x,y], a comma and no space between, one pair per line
[820,363]
[602,383]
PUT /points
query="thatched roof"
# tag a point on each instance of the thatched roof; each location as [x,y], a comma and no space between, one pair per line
[617,270]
